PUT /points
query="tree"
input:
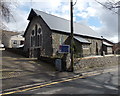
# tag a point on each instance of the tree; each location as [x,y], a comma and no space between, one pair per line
[6,12]
[110,5]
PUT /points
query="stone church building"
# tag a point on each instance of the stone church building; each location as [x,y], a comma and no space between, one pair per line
[45,33]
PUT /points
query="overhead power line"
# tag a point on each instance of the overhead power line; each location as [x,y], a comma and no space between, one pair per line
[109,8]
[75,3]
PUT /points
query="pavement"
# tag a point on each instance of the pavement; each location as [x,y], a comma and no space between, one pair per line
[20,72]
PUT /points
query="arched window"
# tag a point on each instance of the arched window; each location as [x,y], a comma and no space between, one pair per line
[32,36]
[33,32]
[39,36]
[39,31]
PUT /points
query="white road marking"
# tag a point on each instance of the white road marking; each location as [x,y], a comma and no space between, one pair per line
[111,87]
[50,92]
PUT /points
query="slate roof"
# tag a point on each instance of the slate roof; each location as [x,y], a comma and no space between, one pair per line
[107,44]
[63,25]
[82,40]
[7,33]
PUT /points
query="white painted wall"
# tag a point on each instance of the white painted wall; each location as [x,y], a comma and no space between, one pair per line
[16,40]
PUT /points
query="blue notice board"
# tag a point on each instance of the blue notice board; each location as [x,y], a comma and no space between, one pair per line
[64,48]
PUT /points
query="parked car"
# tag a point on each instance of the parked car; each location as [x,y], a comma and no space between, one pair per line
[1,46]
[19,46]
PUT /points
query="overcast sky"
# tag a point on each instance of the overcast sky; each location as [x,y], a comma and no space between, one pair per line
[87,12]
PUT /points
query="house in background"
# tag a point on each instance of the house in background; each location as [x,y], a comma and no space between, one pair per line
[11,39]
[45,33]
[108,46]
[17,41]
[116,48]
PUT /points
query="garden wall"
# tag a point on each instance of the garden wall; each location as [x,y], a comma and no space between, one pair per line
[95,63]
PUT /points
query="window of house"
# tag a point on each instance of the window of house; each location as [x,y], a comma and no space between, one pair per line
[15,42]
[32,38]
[36,29]
[33,41]
[21,42]
[39,37]
[85,46]
[109,48]
[39,31]
[33,32]
[61,39]
[36,42]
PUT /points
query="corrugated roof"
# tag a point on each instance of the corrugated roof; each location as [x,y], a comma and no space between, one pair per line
[80,39]
[107,44]
[60,24]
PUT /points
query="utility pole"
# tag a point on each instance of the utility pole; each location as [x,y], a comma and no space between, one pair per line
[71,26]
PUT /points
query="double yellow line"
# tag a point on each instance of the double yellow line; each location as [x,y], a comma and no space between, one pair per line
[52,83]
[39,86]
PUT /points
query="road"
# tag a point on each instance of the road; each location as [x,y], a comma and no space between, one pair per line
[105,83]
[18,72]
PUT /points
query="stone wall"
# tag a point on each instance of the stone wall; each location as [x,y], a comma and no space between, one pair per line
[46,46]
[95,43]
[94,63]
[57,40]
[94,48]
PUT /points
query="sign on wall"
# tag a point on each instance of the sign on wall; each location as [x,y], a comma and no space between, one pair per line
[64,48]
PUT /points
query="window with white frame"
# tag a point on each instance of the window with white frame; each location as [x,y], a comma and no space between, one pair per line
[85,46]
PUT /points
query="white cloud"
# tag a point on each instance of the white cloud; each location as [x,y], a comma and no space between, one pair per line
[108,19]
[91,11]
[83,14]
[20,22]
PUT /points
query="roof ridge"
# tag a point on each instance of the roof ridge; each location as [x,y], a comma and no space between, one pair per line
[51,14]
[63,18]
[55,21]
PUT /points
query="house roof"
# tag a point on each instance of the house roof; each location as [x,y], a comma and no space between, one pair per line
[82,40]
[17,37]
[107,44]
[63,25]
[108,41]
[8,33]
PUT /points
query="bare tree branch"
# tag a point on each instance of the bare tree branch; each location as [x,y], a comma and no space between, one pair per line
[6,12]
[110,5]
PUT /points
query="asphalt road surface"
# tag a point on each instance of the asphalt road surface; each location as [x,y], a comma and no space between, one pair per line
[105,83]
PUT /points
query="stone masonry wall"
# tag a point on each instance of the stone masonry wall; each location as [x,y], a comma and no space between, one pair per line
[57,40]
[46,48]
[94,63]
[95,43]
